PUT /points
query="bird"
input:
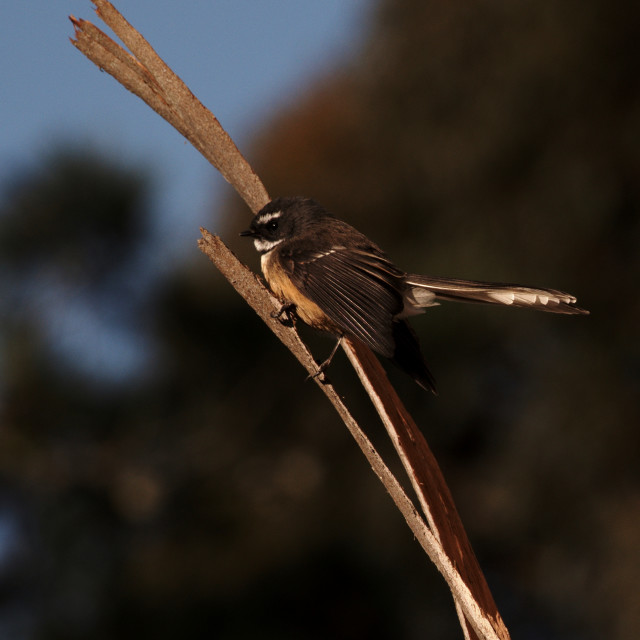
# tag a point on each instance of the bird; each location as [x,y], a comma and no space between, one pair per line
[335,279]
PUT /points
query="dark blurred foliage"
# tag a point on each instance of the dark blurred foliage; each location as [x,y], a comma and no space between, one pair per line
[166,471]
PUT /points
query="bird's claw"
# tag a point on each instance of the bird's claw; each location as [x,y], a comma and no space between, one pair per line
[286,314]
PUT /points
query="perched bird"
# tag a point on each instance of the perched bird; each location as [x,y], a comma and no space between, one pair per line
[337,280]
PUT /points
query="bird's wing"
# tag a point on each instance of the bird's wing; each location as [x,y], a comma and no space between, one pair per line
[357,289]
[496,293]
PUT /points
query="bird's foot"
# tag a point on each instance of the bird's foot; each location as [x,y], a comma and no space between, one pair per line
[286,314]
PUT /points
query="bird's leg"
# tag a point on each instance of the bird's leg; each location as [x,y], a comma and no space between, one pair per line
[288,311]
[323,366]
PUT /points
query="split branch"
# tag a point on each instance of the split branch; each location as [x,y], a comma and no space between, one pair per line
[146,75]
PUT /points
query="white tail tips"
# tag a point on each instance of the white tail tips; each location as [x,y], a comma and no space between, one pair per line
[511,295]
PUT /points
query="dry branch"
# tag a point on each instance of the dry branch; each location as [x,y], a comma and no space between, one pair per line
[144,73]
[437,494]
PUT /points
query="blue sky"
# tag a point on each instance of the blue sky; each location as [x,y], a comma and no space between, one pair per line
[242,58]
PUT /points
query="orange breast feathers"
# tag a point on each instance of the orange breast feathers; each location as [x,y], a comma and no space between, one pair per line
[282,287]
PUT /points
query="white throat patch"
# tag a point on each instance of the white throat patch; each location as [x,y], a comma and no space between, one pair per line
[263,246]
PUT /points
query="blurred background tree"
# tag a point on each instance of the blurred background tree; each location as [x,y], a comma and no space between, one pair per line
[166,469]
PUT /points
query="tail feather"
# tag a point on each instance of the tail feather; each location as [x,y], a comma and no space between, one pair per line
[408,356]
[512,295]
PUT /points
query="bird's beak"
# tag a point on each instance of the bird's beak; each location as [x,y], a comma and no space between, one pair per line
[248,232]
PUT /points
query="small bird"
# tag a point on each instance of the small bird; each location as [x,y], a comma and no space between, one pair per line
[337,280]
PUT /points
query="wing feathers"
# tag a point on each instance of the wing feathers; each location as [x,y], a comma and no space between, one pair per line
[355,289]
[350,310]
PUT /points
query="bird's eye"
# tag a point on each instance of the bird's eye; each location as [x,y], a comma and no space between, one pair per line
[272,225]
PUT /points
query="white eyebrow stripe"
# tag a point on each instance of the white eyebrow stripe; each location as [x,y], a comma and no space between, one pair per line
[267,217]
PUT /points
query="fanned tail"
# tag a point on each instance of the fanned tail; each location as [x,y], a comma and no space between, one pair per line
[512,295]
